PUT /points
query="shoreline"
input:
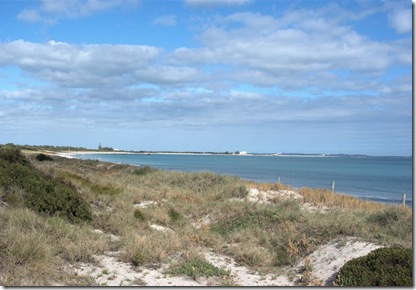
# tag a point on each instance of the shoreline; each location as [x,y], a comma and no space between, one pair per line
[214,154]
[370,197]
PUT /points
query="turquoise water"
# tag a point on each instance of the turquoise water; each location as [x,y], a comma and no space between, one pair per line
[381,179]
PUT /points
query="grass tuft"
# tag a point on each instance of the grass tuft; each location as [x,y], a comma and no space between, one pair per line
[196,267]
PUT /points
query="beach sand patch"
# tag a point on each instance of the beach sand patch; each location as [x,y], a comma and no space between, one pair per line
[328,259]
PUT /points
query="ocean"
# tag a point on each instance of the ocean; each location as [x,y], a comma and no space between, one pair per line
[379,179]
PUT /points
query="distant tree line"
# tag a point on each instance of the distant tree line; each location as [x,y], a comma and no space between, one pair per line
[101,148]
[47,148]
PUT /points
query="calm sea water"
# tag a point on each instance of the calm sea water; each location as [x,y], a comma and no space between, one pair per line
[381,179]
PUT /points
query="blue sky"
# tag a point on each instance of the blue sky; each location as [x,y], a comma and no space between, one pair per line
[208,75]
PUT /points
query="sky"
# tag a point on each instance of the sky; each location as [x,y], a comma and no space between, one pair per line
[263,76]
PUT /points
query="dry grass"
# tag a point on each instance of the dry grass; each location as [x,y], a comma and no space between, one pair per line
[34,248]
[327,198]
[263,237]
[150,247]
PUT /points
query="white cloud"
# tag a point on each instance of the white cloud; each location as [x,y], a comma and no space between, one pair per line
[51,11]
[263,50]
[401,20]
[29,15]
[78,65]
[171,75]
[167,20]
[197,3]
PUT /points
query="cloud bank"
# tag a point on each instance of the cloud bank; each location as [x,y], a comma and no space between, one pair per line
[305,75]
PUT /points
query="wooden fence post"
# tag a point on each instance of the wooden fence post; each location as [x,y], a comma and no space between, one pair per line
[404,199]
[333,186]
[278,180]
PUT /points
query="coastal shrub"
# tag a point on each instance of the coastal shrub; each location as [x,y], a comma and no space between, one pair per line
[264,218]
[43,157]
[11,154]
[382,267]
[139,215]
[14,196]
[103,189]
[282,256]
[94,187]
[199,182]
[143,170]
[23,184]
[138,259]
[393,224]
[235,192]
[174,214]
[196,267]
[389,215]
[58,198]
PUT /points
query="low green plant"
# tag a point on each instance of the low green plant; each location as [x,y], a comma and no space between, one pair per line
[391,214]
[382,267]
[93,187]
[235,192]
[392,225]
[143,170]
[43,157]
[196,267]
[263,218]
[199,182]
[12,154]
[138,259]
[103,189]
[23,184]
[174,214]
[139,215]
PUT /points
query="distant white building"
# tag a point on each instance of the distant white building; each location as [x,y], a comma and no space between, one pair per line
[243,152]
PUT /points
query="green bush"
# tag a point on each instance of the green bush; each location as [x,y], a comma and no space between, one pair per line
[138,259]
[23,184]
[265,218]
[390,215]
[381,267]
[143,170]
[393,224]
[235,192]
[174,214]
[199,182]
[11,154]
[94,187]
[103,189]
[197,267]
[43,157]
[139,215]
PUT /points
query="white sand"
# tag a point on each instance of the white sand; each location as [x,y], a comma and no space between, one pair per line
[325,262]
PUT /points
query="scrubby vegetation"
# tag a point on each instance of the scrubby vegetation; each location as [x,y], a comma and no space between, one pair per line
[196,267]
[43,157]
[382,267]
[60,204]
[22,184]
